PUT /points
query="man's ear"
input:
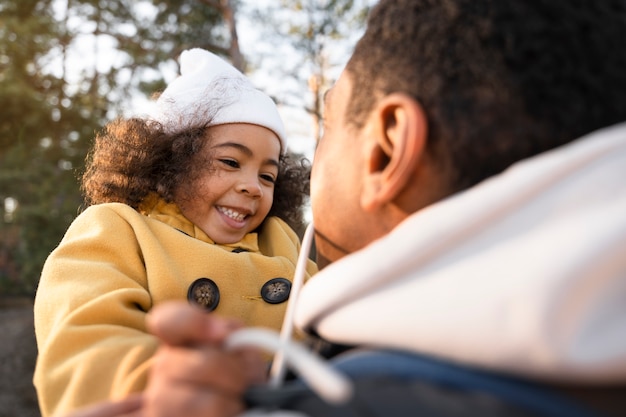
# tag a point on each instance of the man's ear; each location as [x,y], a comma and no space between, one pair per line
[397,128]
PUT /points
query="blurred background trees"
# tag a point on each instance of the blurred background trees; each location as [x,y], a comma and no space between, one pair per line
[69,66]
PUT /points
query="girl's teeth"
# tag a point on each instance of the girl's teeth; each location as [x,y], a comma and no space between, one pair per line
[233,214]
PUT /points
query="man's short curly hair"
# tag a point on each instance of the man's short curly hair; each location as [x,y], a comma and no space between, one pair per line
[132,158]
[499,80]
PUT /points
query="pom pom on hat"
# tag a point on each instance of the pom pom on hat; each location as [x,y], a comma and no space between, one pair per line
[210,92]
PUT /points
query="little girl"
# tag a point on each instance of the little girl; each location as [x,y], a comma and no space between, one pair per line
[191,202]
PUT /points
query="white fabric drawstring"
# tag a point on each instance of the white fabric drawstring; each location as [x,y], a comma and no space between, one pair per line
[328,383]
[277,372]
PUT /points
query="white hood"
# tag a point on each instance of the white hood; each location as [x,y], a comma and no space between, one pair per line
[523,273]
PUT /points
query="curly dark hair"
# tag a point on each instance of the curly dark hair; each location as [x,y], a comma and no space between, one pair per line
[132,158]
[499,81]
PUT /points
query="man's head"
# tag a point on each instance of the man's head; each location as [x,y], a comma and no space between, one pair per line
[440,95]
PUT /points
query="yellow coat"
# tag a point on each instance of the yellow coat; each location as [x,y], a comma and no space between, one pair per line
[113,265]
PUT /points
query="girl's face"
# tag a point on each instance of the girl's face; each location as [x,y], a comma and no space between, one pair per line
[235,193]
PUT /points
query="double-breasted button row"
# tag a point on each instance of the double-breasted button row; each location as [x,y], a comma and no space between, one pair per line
[205,293]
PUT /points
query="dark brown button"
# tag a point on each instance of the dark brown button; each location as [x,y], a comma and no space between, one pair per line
[276,290]
[204,293]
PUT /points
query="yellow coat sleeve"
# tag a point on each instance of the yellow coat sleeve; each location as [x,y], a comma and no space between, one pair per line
[89,316]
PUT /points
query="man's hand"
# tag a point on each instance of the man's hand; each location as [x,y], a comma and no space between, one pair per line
[192,375]
[129,407]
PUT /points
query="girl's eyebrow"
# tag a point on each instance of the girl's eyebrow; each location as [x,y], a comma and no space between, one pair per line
[245,150]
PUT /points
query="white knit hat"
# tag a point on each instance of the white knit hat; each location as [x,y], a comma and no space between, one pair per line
[212,92]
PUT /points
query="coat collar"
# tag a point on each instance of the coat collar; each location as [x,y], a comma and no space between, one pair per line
[169,213]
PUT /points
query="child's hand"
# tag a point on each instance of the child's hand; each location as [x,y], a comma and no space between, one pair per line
[192,375]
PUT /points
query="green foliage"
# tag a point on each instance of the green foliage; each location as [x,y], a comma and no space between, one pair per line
[36,152]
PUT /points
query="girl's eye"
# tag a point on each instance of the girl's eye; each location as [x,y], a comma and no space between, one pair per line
[230,162]
[268,178]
